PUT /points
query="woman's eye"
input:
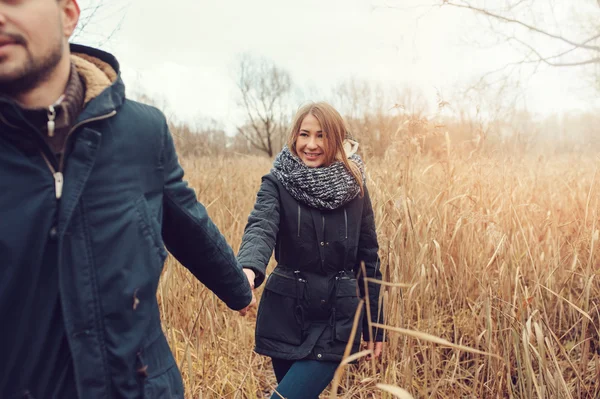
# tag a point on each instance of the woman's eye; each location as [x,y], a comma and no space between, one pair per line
[303,135]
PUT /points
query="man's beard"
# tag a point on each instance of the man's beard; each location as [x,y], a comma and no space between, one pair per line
[33,72]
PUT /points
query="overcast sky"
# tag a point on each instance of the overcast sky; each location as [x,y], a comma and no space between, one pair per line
[184,51]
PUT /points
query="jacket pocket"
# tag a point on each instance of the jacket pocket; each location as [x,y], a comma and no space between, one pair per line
[346,306]
[279,316]
[150,227]
[161,375]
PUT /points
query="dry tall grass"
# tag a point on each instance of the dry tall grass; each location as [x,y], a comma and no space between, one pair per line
[502,256]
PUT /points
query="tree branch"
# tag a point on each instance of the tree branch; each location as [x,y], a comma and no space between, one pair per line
[547,61]
[525,25]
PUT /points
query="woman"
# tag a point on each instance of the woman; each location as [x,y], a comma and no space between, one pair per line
[314,210]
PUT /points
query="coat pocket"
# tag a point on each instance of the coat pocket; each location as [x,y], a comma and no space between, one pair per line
[346,305]
[279,315]
[162,378]
[149,227]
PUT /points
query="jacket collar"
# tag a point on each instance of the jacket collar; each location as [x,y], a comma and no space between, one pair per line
[100,71]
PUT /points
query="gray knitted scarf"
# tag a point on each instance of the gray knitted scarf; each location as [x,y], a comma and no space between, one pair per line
[326,187]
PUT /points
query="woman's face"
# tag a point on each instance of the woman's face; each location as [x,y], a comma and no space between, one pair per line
[309,143]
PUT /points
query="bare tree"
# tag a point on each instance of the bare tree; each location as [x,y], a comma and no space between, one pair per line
[100,20]
[264,89]
[206,137]
[552,33]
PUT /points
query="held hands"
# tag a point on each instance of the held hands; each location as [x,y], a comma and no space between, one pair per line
[376,347]
[250,275]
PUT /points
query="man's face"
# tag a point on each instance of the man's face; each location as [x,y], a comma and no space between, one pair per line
[33,37]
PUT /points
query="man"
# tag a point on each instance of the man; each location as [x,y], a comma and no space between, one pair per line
[91,191]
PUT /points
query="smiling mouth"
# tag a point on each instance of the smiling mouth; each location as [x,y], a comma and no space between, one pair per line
[8,40]
[312,155]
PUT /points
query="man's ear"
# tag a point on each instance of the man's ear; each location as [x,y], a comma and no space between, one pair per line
[70,16]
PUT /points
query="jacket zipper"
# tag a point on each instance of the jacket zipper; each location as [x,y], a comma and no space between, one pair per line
[299,213]
[59,179]
[324,242]
[346,222]
[52,116]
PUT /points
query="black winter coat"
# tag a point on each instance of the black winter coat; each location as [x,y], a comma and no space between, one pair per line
[310,299]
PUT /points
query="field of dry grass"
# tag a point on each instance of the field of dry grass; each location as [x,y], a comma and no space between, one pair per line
[501,255]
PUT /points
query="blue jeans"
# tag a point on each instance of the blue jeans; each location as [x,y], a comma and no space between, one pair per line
[302,379]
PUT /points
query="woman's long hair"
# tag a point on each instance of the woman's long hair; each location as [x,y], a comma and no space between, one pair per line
[334,132]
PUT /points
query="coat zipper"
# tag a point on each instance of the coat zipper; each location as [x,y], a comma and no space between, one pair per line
[52,116]
[324,242]
[299,213]
[59,179]
[346,222]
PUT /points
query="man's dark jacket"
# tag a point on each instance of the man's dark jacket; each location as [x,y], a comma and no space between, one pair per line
[124,203]
[310,299]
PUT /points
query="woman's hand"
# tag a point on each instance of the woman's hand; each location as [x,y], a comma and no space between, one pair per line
[376,347]
[251,276]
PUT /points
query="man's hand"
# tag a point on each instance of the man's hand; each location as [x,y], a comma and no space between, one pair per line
[244,311]
[376,347]
[250,275]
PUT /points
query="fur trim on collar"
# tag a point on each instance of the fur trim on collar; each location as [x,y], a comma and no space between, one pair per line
[350,147]
[96,74]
